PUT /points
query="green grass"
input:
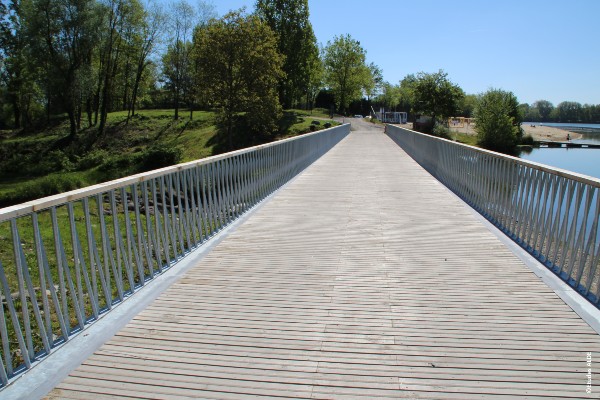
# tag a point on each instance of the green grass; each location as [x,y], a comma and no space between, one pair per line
[40,163]
[464,138]
[315,112]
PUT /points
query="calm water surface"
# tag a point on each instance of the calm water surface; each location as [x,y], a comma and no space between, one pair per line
[583,161]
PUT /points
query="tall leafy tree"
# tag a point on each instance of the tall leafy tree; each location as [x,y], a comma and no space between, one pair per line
[117,14]
[346,73]
[389,96]
[238,67]
[315,77]
[498,121]
[544,108]
[62,36]
[148,39]
[177,61]
[435,95]
[373,81]
[289,19]
[569,111]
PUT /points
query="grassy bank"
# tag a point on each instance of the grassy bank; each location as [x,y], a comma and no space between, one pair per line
[40,163]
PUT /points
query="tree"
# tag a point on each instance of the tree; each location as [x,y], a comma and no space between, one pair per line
[569,111]
[373,81]
[389,96]
[315,78]
[498,121]
[435,95]
[238,68]
[62,36]
[467,105]
[178,68]
[406,92]
[544,109]
[345,70]
[296,41]
[151,27]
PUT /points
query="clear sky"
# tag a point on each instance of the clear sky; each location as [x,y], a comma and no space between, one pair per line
[538,49]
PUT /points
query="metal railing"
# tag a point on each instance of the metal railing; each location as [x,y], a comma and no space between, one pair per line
[67,259]
[552,213]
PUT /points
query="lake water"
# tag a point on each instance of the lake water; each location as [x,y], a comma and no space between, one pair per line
[566,125]
[583,161]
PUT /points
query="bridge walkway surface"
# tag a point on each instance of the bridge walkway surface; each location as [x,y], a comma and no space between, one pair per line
[363,277]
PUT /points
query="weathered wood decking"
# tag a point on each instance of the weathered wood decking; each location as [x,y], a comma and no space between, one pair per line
[364,278]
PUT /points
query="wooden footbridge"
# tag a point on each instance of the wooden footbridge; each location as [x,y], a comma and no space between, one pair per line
[363,276]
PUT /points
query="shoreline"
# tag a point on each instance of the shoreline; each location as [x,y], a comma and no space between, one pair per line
[538,132]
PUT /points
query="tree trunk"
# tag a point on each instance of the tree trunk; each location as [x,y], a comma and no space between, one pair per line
[16,112]
[229,132]
[72,123]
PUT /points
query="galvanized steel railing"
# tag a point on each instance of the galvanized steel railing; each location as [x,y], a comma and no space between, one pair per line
[552,213]
[67,259]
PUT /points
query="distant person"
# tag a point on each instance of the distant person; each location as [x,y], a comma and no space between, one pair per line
[568,137]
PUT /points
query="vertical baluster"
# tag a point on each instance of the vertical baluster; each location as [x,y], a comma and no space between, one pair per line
[572,240]
[81,267]
[191,208]
[583,247]
[142,244]
[175,223]
[132,251]
[6,361]
[23,347]
[207,199]
[561,238]
[93,295]
[16,240]
[161,246]
[170,244]
[109,260]
[183,228]
[152,252]
[41,261]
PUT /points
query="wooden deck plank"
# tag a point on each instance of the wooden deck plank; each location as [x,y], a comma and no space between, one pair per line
[363,278]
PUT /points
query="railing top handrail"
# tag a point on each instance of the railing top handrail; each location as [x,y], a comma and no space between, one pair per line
[590,180]
[73,195]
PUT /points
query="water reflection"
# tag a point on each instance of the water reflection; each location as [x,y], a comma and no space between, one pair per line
[582,161]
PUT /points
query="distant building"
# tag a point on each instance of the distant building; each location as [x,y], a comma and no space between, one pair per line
[391,117]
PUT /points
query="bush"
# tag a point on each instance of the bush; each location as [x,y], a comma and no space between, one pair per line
[498,121]
[54,161]
[527,140]
[159,156]
[119,163]
[441,130]
[93,159]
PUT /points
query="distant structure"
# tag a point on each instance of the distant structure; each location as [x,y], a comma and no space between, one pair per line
[391,117]
[460,122]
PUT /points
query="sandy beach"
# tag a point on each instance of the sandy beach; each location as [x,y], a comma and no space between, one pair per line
[538,132]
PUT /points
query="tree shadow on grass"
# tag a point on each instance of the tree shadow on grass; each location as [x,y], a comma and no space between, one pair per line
[242,136]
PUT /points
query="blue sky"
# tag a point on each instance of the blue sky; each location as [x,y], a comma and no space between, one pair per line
[536,49]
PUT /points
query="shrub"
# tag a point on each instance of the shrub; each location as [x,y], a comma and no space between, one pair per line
[528,140]
[93,159]
[441,130]
[159,156]
[498,121]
